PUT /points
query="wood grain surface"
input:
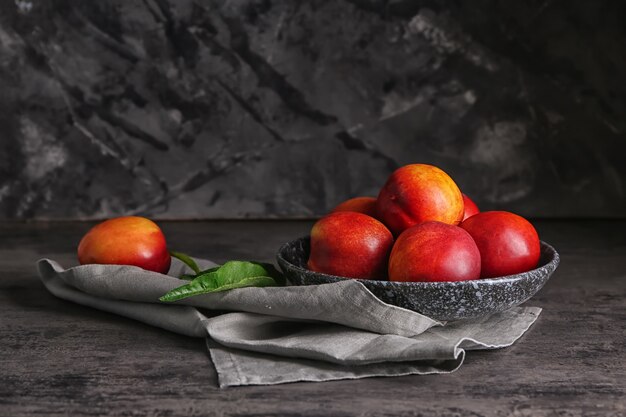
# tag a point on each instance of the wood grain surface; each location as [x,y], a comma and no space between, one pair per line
[58,358]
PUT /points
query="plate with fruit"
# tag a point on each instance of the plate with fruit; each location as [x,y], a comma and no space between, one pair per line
[423,245]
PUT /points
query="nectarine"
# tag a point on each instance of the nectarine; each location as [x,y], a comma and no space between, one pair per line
[418,193]
[434,251]
[126,241]
[365,205]
[350,244]
[470,208]
[508,243]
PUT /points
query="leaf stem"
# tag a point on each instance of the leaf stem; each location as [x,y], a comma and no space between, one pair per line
[187,260]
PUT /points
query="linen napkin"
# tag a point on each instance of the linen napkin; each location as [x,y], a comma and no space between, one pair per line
[275,335]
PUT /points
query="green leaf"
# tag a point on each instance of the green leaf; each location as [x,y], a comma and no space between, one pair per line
[187,260]
[215,268]
[189,277]
[231,275]
[272,272]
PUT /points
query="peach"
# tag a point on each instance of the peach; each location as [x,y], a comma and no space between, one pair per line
[418,193]
[350,244]
[365,205]
[470,208]
[126,241]
[434,251]
[508,243]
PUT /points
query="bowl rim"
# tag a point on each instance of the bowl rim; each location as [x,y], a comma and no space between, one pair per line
[547,267]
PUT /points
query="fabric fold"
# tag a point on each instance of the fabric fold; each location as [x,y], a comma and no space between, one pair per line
[286,334]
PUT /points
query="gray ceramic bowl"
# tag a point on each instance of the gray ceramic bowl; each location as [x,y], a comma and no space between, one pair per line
[438,300]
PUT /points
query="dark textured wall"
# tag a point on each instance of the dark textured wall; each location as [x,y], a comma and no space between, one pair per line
[199,109]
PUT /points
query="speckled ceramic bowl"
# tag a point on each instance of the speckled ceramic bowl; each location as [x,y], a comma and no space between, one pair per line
[438,300]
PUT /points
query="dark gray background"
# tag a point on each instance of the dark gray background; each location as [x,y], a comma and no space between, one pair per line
[219,109]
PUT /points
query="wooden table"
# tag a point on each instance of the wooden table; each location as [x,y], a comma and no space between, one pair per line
[58,358]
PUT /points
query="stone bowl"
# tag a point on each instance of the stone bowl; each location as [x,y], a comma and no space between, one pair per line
[443,301]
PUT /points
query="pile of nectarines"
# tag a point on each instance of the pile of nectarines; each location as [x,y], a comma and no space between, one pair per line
[421,228]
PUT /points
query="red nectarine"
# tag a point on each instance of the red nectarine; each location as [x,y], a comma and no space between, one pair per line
[508,243]
[350,244]
[417,193]
[365,205]
[470,208]
[126,241]
[434,251]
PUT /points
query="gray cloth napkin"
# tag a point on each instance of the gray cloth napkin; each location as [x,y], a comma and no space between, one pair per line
[285,334]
